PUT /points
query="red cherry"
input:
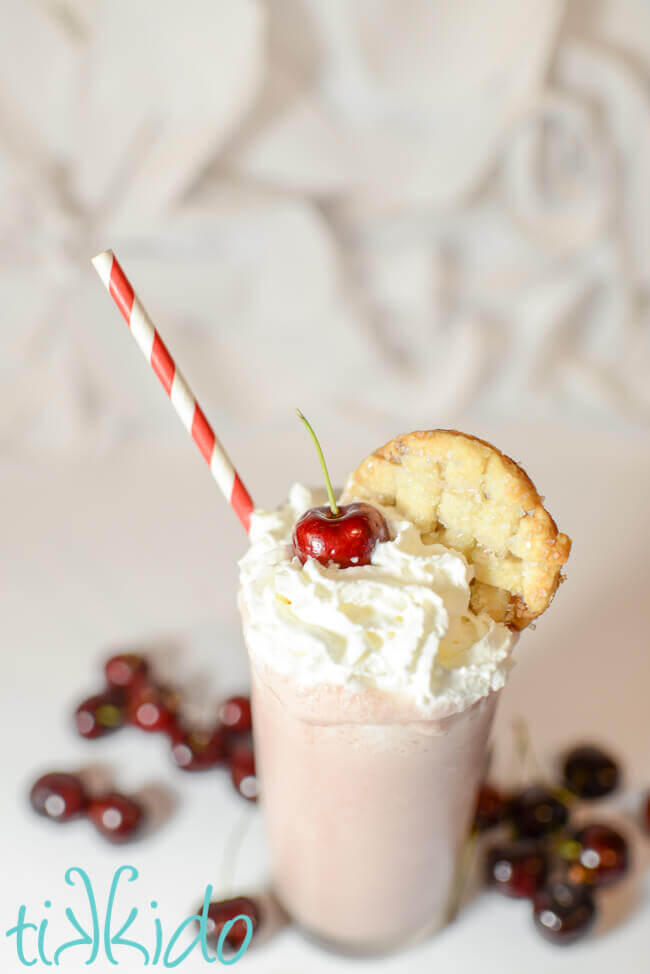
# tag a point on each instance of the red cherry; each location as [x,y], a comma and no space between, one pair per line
[590,773]
[536,812]
[199,748]
[58,796]
[235,714]
[563,912]
[116,816]
[645,812]
[490,808]
[348,539]
[126,670]
[153,708]
[346,535]
[241,759]
[517,869]
[100,714]
[222,911]
[603,858]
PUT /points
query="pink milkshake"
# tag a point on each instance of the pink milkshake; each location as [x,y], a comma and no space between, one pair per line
[366,809]
[375,678]
[373,693]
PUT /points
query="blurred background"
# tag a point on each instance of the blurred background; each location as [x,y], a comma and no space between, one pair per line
[391,214]
[395,215]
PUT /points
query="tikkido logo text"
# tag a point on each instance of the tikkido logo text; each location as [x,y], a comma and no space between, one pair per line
[104,936]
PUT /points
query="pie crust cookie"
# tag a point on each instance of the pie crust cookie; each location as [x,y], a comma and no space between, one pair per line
[464,493]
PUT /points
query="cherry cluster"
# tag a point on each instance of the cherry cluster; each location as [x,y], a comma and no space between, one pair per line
[133,697]
[543,857]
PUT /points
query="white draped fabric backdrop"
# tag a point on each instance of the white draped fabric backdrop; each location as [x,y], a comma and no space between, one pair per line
[399,211]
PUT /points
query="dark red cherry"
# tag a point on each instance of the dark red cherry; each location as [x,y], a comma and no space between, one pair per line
[603,858]
[645,813]
[517,869]
[153,708]
[101,714]
[198,748]
[564,911]
[490,808]
[126,670]
[241,759]
[346,540]
[58,796]
[536,811]
[235,714]
[222,911]
[590,773]
[116,816]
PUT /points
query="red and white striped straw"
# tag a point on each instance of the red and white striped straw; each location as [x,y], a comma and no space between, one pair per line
[191,415]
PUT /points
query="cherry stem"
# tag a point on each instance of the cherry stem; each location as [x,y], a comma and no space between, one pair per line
[525,749]
[328,482]
[461,876]
[527,755]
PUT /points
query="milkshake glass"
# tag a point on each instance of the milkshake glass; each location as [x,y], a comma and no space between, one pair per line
[366,808]
[373,691]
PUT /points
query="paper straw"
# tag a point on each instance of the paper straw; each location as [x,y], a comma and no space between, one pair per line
[191,415]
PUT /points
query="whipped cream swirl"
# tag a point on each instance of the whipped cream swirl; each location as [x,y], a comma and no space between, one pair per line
[401,624]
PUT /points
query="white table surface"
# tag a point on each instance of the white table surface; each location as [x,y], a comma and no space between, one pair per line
[138,547]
